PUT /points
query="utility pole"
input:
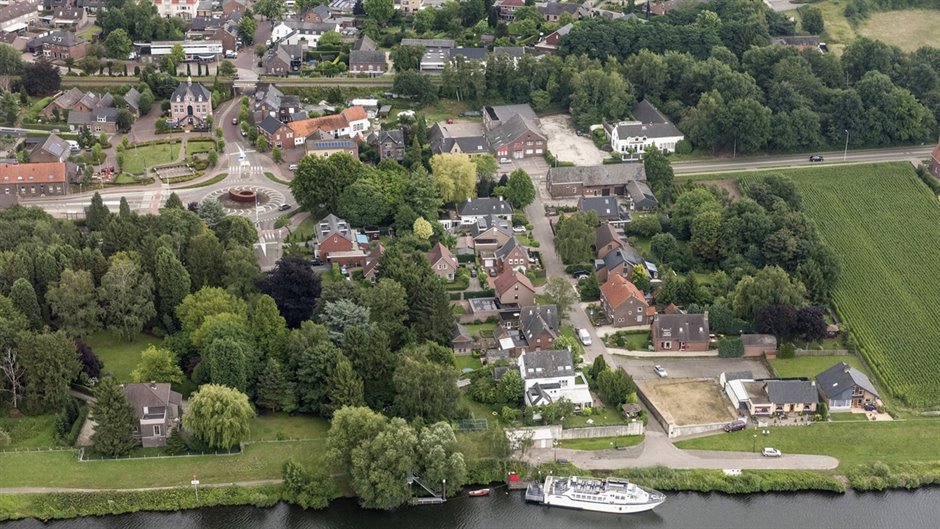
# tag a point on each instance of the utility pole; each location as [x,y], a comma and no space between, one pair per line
[846,151]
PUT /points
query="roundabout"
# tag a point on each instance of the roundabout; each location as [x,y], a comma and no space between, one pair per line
[242,200]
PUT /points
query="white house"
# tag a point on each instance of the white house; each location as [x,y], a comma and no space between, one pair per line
[650,127]
[185,9]
[294,33]
[475,209]
[549,376]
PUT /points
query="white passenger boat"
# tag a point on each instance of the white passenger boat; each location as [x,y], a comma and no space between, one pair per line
[611,495]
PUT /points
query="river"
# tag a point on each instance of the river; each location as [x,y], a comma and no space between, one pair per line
[889,510]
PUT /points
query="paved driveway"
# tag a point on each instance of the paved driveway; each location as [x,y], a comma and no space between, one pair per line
[568,146]
[535,167]
[642,368]
[781,5]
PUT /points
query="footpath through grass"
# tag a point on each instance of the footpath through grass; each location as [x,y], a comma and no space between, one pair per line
[851,443]
[888,247]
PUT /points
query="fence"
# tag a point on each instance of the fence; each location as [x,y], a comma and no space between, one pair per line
[591,432]
[471,425]
[36,449]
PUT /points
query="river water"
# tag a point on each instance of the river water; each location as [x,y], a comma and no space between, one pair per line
[889,510]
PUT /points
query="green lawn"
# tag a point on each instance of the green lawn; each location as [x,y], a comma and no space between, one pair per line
[62,469]
[578,349]
[632,340]
[599,417]
[303,232]
[601,443]
[852,443]
[810,366]
[268,427]
[194,146]
[468,361]
[907,29]
[119,356]
[29,432]
[89,32]
[138,159]
[477,328]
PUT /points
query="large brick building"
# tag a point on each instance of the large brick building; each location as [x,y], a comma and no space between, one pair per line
[33,180]
[190,104]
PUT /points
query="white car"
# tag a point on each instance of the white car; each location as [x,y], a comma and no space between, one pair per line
[519,229]
[292,167]
[660,370]
[771,452]
[584,336]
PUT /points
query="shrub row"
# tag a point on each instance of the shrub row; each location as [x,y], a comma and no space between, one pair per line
[750,481]
[880,476]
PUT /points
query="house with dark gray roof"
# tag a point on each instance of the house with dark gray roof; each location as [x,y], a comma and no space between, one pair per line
[390,144]
[792,396]
[640,196]
[459,138]
[549,43]
[132,98]
[552,11]
[649,128]
[516,138]
[371,62]
[190,104]
[158,411]
[496,115]
[620,261]
[680,332]
[608,209]
[97,121]
[52,149]
[845,388]
[539,326]
[474,209]
[551,375]
[593,180]
[513,255]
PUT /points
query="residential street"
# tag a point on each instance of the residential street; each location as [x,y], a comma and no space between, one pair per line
[750,163]
[658,450]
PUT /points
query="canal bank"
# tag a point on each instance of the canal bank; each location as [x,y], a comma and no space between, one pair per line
[888,510]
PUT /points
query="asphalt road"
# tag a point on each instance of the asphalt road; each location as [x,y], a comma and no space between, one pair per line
[750,163]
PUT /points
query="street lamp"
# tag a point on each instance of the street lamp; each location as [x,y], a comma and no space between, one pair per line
[846,151]
[555,446]
[444,489]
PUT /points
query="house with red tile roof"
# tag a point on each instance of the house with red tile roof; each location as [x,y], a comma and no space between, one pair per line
[623,303]
[443,262]
[934,166]
[513,288]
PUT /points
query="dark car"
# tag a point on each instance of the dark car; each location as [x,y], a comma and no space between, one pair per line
[735,426]
[870,406]
[815,158]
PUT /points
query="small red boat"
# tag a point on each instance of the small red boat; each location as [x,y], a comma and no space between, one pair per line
[479,492]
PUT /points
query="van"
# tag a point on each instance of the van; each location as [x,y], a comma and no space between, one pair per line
[735,426]
[74,146]
[584,336]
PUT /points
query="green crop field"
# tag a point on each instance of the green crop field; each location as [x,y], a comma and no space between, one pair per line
[881,221]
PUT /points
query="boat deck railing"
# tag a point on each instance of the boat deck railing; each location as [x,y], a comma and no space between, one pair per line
[534,493]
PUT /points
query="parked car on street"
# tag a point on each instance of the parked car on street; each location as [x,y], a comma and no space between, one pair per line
[660,370]
[519,229]
[584,336]
[292,167]
[771,452]
[234,121]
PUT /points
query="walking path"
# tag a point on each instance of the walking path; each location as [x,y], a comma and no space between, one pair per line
[50,490]
[656,449]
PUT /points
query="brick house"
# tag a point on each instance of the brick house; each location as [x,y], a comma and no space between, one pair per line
[371,62]
[190,104]
[549,44]
[934,166]
[97,121]
[62,45]
[315,15]
[488,235]
[157,411]
[606,239]
[552,11]
[845,388]
[371,265]
[442,262]
[513,288]
[330,146]
[539,326]
[63,103]
[516,139]
[390,144]
[595,180]
[623,303]
[512,255]
[52,150]
[680,332]
[278,133]
[335,241]
[33,180]
[233,6]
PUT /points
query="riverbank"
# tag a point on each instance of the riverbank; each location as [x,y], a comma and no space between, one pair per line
[874,477]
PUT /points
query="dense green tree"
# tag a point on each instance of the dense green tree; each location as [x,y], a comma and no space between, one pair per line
[50,362]
[388,307]
[203,260]
[613,387]
[204,303]
[519,190]
[406,58]
[659,173]
[771,285]
[319,181]
[455,176]
[439,458]
[267,326]
[688,206]
[41,78]
[218,415]
[381,465]
[240,270]
[379,11]
[97,214]
[126,293]
[275,391]
[313,365]
[340,315]
[157,364]
[228,361]
[74,304]
[600,95]
[25,301]
[114,420]
[574,236]
[344,387]
[373,359]
[559,292]
[118,44]
[172,285]
[364,203]
[425,389]
[349,429]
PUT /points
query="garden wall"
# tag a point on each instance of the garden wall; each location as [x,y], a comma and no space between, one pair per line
[633,428]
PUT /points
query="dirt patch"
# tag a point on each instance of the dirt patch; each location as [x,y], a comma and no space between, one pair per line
[567,146]
[728,185]
[686,401]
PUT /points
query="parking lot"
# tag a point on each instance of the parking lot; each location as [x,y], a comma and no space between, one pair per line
[642,368]
[566,145]
[536,167]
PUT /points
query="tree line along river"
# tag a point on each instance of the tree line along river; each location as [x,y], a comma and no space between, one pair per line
[887,510]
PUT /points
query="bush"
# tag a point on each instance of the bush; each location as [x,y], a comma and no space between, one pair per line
[684,147]
[730,347]
[786,350]
[175,444]
[519,219]
[4,438]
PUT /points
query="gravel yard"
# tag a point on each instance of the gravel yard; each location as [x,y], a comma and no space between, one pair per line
[688,400]
[568,146]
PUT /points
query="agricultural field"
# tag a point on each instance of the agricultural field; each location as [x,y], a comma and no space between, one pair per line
[881,221]
[907,29]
